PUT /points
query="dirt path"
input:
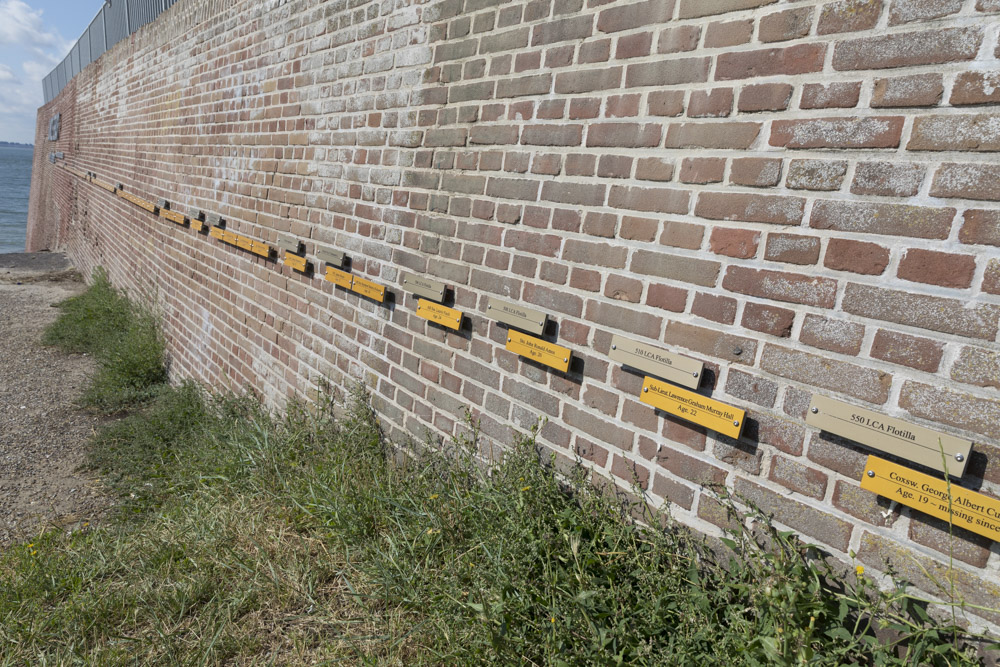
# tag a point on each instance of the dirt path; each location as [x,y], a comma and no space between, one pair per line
[42,433]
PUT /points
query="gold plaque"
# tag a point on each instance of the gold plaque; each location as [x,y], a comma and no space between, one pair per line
[425,287]
[940,451]
[244,242]
[339,278]
[138,201]
[648,359]
[688,405]
[298,263]
[173,216]
[217,233]
[435,312]
[104,185]
[197,225]
[288,243]
[529,320]
[261,249]
[367,288]
[967,509]
[536,349]
[330,256]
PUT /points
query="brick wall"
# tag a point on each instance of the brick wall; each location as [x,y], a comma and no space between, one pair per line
[802,194]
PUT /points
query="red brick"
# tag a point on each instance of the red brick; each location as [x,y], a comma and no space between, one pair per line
[719,514]
[635,15]
[666,103]
[786,25]
[667,73]
[721,309]
[814,370]
[781,286]
[623,135]
[712,135]
[711,342]
[909,49]
[552,135]
[676,267]
[732,33]
[590,451]
[588,253]
[823,175]
[690,9]
[837,95]
[967,181]
[888,219]
[799,478]
[991,280]
[673,492]
[833,335]
[580,165]
[621,288]
[988,5]
[798,516]
[953,408]
[715,103]
[638,229]
[862,504]
[872,132]
[595,52]
[950,540]
[624,319]
[614,166]
[539,84]
[688,467]
[649,199]
[589,80]
[740,243]
[666,297]
[849,16]
[917,90]
[792,248]
[838,454]
[595,224]
[598,428]
[868,259]
[937,268]
[573,193]
[905,11]
[765,97]
[980,228]
[773,209]
[933,313]
[682,235]
[702,170]
[977,366]
[976,88]
[888,179]
[967,132]
[551,32]
[654,169]
[800,59]
[768,319]
[756,172]
[679,39]
[634,46]
[905,350]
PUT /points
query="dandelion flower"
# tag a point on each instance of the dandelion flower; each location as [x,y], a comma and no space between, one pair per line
[34,553]
[553,619]
[859,570]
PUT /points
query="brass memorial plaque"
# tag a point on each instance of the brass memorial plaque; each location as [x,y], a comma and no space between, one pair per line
[197,219]
[298,263]
[173,216]
[529,320]
[425,287]
[288,243]
[217,233]
[330,256]
[435,312]
[367,288]
[893,436]
[244,243]
[536,349]
[261,249]
[138,201]
[339,278]
[968,509]
[104,185]
[688,405]
[654,361]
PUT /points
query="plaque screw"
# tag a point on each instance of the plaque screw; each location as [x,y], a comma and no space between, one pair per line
[871,473]
[959,458]
[508,340]
[614,347]
[694,374]
[565,360]
[815,410]
[645,389]
[489,307]
[736,423]
[737,350]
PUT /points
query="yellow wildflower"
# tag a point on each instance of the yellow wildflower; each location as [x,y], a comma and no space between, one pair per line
[434,497]
[859,570]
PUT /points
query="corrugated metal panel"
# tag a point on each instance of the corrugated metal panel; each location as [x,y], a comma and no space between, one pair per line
[96,32]
[74,60]
[141,12]
[84,45]
[47,88]
[116,22]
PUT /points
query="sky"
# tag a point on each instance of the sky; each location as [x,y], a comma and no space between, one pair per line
[35,35]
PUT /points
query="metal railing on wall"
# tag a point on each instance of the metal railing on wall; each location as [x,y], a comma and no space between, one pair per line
[116,20]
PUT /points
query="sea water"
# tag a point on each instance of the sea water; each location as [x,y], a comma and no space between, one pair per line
[15,182]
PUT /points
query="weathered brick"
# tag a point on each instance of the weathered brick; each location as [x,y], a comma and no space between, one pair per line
[573,193]
[666,103]
[913,351]
[679,39]
[667,297]
[799,478]
[798,516]
[504,41]
[715,103]
[676,267]
[975,132]
[682,235]
[887,179]
[937,268]
[966,181]
[823,175]
[587,81]
[834,335]
[668,72]
[862,504]
[673,492]
[991,279]
[868,259]
[977,366]
[595,254]
[634,46]
[598,428]
[849,16]
[728,33]
[954,408]
[765,97]
[786,25]
[650,199]
[711,342]
[976,88]
[630,472]
[512,188]
[691,9]
[753,388]
[595,52]
[688,467]
[951,540]
[740,243]
[916,90]
[910,49]
[654,169]
[702,170]
[536,84]
[712,135]
[980,227]
[781,286]
[837,95]
[773,209]
[905,11]
[799,59]
[552,135]
[922,311]
[614,166]
[863,383]
[888,219]
[624,135]
[636,15]
[792,248]
[623,318]
[714,307]
[768,319]
[838,454]
[756,172]
[873,132]
[552,32]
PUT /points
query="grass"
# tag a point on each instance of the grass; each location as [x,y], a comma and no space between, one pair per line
[244,537]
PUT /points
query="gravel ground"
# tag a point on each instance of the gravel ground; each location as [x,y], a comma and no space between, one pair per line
[42,434]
